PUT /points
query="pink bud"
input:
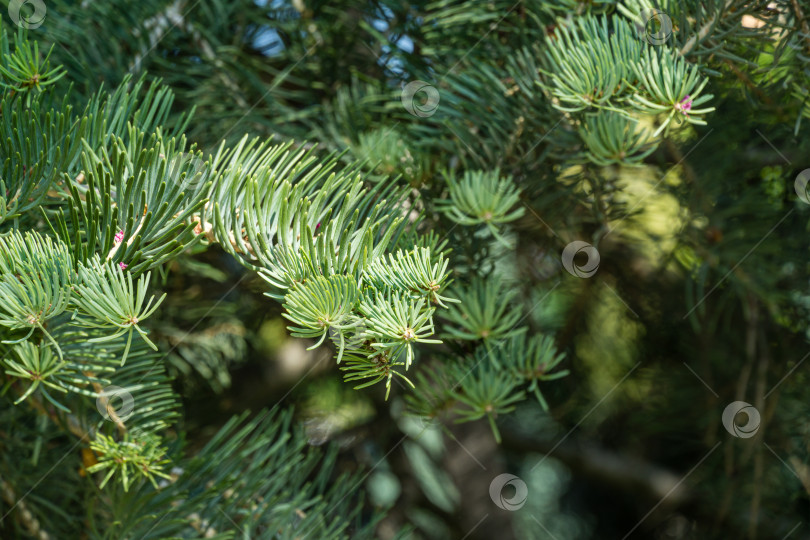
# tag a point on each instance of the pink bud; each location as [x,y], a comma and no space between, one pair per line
[119,237]
[122,266]
[685,104]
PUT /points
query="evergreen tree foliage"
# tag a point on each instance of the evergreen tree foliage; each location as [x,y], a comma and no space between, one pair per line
[540,222]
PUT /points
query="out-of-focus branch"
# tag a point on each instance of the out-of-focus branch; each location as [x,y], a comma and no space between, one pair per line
[627,473]
[28,520]
[797,10]
[701,34]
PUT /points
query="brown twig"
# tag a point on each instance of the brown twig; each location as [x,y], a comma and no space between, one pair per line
[105,402]
[26,517]
[747,81]
[797,10]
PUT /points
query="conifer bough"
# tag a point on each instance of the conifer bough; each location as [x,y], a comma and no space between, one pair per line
[102,196]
